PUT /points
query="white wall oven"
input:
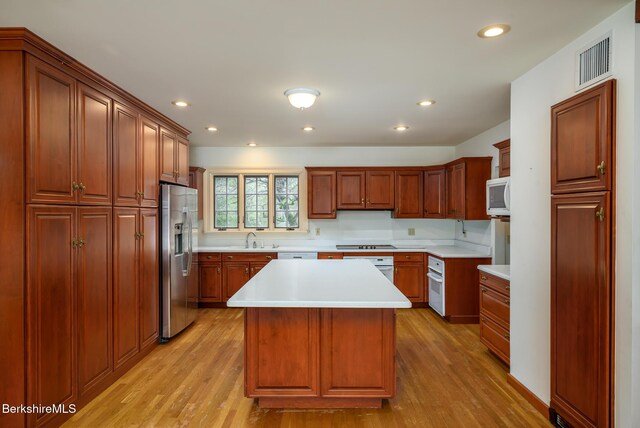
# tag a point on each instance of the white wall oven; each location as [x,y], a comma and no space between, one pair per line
[435,276]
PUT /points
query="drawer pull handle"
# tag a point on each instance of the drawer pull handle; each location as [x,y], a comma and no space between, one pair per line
[330,257]
[507,287]
[484,278]
[506,336]
[269,257]
[246,270]
[229,257]
[218,270]
[209,257]
[484,290]
[507,301]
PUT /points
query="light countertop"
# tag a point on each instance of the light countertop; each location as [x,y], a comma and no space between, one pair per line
[443,251]
[319,284]
[501,271]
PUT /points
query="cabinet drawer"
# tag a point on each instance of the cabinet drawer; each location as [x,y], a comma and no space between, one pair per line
[248,257]
[408,257]
[497,284]
[330,256]
[496,305]
[495,338]
[208,257]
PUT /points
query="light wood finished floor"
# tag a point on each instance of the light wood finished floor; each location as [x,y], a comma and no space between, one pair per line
[446,378]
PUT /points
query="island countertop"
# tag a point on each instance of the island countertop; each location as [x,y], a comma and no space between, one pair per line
[319,284]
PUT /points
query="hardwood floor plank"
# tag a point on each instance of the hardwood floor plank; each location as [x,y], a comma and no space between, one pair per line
[446,378]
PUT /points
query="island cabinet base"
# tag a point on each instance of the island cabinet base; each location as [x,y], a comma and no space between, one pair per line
[320,358]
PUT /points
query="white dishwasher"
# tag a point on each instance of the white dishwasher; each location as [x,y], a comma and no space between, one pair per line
[436,285]
[299,256]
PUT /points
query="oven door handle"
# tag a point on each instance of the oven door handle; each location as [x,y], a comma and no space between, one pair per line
[436,278]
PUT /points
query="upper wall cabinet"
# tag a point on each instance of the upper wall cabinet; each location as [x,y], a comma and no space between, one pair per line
[434,193]
[466,188]
[409,194]
[370,189]
[174,158]
[504,157]
[581,141]
[69,139]
[321,193]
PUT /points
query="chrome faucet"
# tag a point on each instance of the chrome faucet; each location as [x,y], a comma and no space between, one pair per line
[246,242]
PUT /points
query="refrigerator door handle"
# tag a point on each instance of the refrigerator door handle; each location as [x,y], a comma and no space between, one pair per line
[190,236]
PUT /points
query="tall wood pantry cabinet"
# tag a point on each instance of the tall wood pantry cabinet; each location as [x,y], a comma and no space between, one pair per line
[582,242]
[79,194]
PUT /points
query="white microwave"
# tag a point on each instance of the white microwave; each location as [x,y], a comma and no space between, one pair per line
[498,198]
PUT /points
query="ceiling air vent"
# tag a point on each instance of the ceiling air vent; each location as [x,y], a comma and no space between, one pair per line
[594,62]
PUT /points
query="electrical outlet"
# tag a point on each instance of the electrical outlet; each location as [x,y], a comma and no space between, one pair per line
[412,231]
[317,231]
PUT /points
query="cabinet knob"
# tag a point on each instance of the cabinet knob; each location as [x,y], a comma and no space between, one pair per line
[246,270]
[81,243]
[74,186]
[269,257]
[229,257]
[484,290]
[362,201]
[507,301]
[484,278]
[82,187]
[507,336]
[407,257]
[209,257]
[507,287]
[329,257]
[601,168]
[218,269]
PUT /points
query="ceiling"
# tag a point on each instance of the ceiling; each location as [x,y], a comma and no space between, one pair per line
[372,60]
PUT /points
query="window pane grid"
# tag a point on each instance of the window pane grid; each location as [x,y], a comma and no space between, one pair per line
[256,201]
[286,202]
[225,202]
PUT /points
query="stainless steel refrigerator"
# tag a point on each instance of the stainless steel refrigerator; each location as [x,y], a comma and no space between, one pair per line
[179,289]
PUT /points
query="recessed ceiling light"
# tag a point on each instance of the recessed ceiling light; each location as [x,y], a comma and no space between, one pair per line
[308,128]
[426,103]
[180,103]
[493,30]
[252,144]
[211,128]
[401,128]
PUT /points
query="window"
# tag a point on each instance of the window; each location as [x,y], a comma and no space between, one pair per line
[286,203]
[241,201]
[226,202]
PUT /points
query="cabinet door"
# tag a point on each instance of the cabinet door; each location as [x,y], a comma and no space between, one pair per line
[409,279]
[51,297]
[235,275]
[256,267]
[321,188]
[409,194]
[125,151]
[505,162]
[582,129]
[450,202]
[380,190]
[94,147]
[150,141]
[434,194]
[211,282]
[350,190]
[182,161]
[456,191]
[126,308]
[51,134]
[581,307]
[95,322]
[168,167]
[149,277]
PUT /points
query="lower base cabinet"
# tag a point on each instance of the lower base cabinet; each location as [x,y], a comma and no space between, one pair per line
[409,276]
[495,315]
[315,358]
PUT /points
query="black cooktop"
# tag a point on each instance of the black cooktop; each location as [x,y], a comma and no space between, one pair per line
[366,247]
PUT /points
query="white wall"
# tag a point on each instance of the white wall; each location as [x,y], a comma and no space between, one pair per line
[532,95]
[365,226]
[486,232]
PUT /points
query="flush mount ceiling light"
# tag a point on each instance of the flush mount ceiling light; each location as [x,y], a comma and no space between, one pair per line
[252,144]
[401,128]
[211,128]
[180,103]
[426,103]
[302,98]
[493,30]
[308,128]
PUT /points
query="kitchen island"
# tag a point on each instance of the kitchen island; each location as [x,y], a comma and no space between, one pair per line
[319,334]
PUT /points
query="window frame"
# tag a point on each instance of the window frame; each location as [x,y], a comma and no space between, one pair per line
[213,202]
[208,205]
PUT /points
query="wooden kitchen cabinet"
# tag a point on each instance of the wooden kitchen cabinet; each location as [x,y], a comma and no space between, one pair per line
[149,162]
[582,133]
[330,256]
[234,276]
[504,158]
[149,255]
[95,298]
[196,181]
[408,194]
[380,190]
[351,190]
[94,119]
[434,193]
[466,180]
[462,302]
[210,282]
[409,279]
[495,321]
[321,194]
[174,158]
